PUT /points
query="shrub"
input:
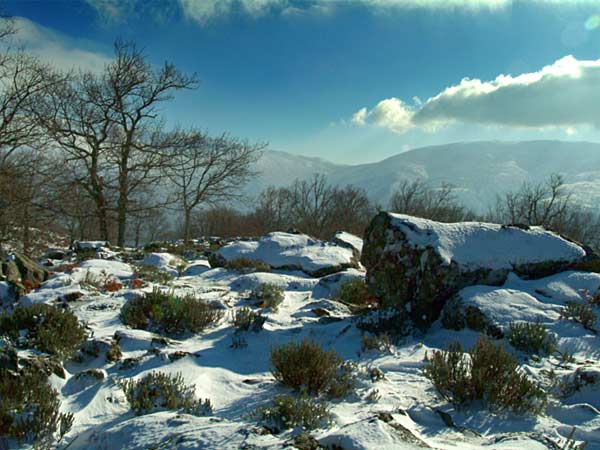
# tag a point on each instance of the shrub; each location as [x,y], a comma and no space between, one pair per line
[114,352]
[581,313]
[270,295]
[306,366]
[488,373]
[355,292]
[163,391]
[247,265]
[168,313]
[152,274]
[29,408]
[288,411]
[49,329]
[531,338]
[245,319]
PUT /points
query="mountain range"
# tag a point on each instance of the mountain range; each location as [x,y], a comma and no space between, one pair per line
[477,170]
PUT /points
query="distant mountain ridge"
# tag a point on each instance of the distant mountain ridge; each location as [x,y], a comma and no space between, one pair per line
[478,170]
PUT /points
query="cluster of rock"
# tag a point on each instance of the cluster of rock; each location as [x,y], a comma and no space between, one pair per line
[417,265]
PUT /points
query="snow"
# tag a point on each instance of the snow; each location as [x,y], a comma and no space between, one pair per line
[477,244]
[349,239]
[102,267]
[281,250]
[5,291]
[237,381]
[163,261]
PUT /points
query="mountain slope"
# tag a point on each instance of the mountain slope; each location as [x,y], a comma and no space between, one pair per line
[479,170]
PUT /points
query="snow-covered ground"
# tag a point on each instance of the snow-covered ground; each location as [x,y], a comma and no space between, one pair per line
[408,412]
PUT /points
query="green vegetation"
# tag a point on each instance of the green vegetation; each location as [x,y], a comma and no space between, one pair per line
[247,320]
[581,313]
[246,265]
[531,338]
[167,313]
[163,391]
[488,374]
[153,274]
[306,366]
[289,411]
[50,329]
[30,409]
[270,295]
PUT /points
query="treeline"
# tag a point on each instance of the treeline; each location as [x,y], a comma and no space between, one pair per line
[309,206]
[89,153]
[319,209]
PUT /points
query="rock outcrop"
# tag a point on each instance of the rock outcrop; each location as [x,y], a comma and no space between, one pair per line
[288,251]
[417,265]
[19,270]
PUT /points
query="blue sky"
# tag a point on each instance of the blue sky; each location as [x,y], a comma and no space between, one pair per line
[351,81]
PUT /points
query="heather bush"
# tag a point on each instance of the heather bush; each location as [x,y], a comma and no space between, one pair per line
[487,373]
[581,313]
[270,295]
[247,320]
[289,411]
[306,366]
[158,390]
[531,338]
[247,265]
[152,274]
[114,352]
[167,313]
[50,329]
[30,409]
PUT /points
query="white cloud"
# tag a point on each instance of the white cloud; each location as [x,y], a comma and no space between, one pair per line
[55,48]
[390,113]
[564,94]
[203,11]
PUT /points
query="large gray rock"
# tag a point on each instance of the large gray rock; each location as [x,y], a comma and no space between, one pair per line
[416,265]
[20,271]
[29,269]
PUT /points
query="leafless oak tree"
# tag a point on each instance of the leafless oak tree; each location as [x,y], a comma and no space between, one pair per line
[208,171]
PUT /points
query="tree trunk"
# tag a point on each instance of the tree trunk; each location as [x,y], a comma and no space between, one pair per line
[187,219]
[122,219]
[138,232]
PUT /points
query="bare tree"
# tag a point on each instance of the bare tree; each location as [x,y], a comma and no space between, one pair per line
[546,204]
[136,91]
[78,116]
[551,206]
[416,198]
[208,171]
[315,207]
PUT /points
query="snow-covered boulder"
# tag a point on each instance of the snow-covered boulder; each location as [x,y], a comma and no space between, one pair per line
[492,309]
[418,264]
[346,239]
[163,261]
[102,268]
[288,251]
